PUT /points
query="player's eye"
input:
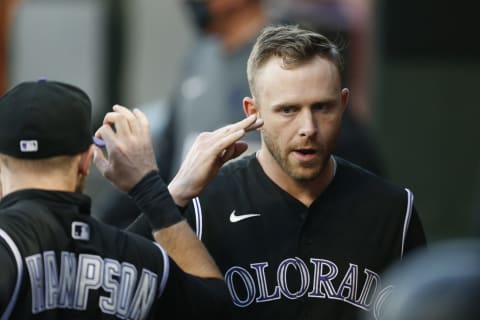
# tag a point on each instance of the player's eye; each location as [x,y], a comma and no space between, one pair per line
[321,106]
[287,109]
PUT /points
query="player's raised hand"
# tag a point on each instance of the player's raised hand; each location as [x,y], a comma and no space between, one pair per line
[129,152]
[206,156]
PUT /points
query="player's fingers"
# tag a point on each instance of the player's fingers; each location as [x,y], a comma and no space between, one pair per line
[131,119]
[106,133]
[142,121]
[240,147]
[229,134]
[221,143]
[257,124]
[118,121]
[122,119]
[234,151]
[99,160]
[242,124]
[227,153]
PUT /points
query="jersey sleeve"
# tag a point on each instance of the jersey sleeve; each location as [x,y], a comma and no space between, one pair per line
[193,214]
[188,297]
[412,234]
[415,235]
[9,276]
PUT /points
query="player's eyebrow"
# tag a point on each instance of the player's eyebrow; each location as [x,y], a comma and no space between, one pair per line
[327,101]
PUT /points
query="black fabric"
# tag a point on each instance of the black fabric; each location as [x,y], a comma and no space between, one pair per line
[284,260]
[335,248]
[43,119]
[42,225]
[9,267]
[151,195]
[203,292]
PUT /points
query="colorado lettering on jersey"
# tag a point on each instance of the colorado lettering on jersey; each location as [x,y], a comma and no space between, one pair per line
[317,285]
[130,295]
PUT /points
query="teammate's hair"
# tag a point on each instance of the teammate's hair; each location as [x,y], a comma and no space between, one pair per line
[293,45]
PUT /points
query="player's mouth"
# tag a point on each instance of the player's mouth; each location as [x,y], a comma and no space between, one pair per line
[305,154]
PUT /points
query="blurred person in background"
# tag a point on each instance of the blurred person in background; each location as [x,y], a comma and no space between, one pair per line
[211,86]
[441,282]
[6,10]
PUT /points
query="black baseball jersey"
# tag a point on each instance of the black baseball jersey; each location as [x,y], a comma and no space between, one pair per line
[60,263]
[283,260]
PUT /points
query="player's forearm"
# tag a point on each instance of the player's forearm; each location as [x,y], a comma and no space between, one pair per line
[187,251]
[170,229]
[179,194]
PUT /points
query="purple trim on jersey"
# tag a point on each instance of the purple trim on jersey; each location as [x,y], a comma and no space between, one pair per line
[18,259]
[408,215]
[198,217]
[166,269]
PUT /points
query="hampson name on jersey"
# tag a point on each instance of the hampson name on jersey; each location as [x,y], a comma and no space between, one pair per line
[317,285]
[69,287]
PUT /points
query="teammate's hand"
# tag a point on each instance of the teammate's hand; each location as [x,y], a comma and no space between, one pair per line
[129,152]
[207,154]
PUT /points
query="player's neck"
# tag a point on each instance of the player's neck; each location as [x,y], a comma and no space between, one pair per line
[302,190]
[16,182]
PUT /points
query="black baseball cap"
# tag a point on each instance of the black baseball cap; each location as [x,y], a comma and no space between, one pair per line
[42,119]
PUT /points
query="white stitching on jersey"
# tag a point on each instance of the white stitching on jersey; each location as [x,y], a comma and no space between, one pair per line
[198,217]
[408,214]
[18,259]
[166,269]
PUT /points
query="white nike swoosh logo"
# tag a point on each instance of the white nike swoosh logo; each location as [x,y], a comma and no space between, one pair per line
[234,218]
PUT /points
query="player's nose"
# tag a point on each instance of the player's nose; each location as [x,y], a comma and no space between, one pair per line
[307,125]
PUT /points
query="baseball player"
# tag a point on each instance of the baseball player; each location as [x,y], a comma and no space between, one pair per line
[60,263]
[298,232]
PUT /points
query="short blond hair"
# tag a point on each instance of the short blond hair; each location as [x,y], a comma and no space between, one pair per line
[293,45]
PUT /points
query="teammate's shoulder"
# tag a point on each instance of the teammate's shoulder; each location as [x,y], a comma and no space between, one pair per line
[20,213]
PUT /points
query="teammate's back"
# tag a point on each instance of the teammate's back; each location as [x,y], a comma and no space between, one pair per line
[60,263]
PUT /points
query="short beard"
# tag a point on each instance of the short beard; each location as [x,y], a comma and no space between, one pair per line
[276,153]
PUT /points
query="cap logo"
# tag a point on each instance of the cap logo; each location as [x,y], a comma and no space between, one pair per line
[28,145]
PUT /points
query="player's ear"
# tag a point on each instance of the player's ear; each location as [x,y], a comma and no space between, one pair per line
[249,107]
[85,161]
[345,95]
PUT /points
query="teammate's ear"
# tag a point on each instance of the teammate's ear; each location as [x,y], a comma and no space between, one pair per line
[249,107]
[85,161]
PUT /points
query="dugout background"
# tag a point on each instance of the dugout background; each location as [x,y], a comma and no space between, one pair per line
[427,109]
